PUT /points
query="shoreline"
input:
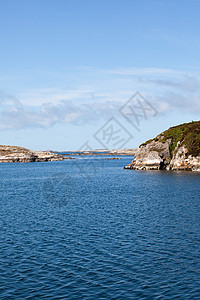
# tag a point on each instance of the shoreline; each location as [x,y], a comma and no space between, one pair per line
[16,154]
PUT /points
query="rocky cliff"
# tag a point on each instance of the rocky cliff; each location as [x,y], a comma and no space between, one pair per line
[177,148]
[19,154]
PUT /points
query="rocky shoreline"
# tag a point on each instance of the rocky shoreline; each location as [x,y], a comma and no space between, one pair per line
[177,148]
[125,152]
[12,154]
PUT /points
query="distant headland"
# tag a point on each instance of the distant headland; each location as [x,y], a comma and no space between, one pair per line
[12,154]
[9,154]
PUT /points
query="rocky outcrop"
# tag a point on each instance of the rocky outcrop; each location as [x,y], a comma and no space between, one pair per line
[177,148]
[19,154]
[182,161]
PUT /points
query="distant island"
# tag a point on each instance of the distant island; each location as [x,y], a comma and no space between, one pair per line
[177,148]
[9,154]
[113,152]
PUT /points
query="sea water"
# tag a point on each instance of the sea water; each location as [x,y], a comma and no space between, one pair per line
[88,229]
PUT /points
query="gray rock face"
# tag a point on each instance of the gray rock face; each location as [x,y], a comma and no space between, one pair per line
[19,154]
[181,161]
[157,154]
[151,156]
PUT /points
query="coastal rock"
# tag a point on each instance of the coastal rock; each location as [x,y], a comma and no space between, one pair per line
[177,148]
[9,154]
[151,156]
[181,161]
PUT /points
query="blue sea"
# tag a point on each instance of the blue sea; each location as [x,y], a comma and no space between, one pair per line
[88,229]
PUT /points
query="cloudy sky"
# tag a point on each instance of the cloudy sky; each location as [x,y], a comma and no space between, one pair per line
[73,71]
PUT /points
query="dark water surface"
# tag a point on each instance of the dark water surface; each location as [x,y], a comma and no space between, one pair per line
[87,229]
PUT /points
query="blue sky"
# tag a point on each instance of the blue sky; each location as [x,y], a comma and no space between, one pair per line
[67,67]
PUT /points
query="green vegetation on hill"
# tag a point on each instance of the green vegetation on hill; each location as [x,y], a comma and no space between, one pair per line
[147,142]
[192,139]
[188,134]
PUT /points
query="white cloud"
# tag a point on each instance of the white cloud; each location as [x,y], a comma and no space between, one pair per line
[176,102]
[19,116]
[187,83]
[166,89]
[143,71]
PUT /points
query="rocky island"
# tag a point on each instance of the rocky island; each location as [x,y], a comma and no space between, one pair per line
[177,148]
[20,154]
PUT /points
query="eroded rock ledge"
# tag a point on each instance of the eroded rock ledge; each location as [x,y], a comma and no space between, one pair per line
[9,154]
[177,148]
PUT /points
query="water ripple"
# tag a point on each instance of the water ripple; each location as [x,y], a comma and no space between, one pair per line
[122,235]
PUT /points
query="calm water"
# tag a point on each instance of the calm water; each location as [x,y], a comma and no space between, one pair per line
[87,229]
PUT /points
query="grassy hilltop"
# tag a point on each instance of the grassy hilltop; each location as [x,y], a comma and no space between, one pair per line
[188,134]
